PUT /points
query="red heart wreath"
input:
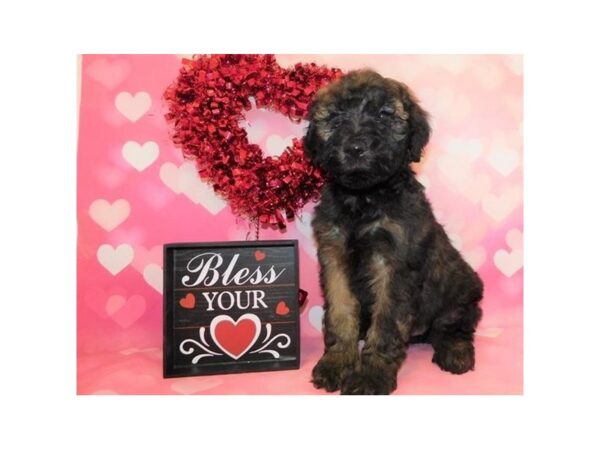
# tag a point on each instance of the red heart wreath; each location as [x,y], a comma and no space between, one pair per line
[206,104]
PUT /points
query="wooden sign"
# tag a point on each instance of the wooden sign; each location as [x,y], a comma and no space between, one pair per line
[230,307]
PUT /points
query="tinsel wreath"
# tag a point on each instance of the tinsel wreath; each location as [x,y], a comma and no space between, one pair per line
[206,104]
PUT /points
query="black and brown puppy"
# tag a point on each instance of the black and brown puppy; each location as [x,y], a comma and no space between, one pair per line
[388,271]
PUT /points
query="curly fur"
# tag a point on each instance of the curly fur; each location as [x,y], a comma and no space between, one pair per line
[388,271]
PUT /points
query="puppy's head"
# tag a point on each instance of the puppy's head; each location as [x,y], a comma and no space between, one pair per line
[364,128]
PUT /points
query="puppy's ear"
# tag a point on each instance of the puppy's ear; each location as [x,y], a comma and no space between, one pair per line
[420,131]
[418,120]
[311,141]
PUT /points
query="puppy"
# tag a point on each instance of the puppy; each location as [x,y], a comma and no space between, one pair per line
[387,269]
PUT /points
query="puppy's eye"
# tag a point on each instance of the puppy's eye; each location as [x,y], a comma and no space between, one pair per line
[335,120]
[386,111]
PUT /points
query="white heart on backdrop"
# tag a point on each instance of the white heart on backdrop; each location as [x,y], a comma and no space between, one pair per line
[109,215]
[455,64]
[276,145]
[478,186]
[508,263]
[133,106]
[184,180]
[140,156]
[303,226]
[424,180]
[315,318]
[456,241]
[504,161]
[514,239]
[470,148]
[489,75]
[456,171]
[115,259]
[193,385]
[476,257]
[500,207]
[153,275]
[489,332]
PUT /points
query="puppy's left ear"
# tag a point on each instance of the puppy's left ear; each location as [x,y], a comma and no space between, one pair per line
[418,120]
[419,130]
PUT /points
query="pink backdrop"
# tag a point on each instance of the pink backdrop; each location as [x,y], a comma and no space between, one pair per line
[135,192]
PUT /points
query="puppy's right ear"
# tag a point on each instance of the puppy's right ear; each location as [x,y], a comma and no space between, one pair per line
[311,142]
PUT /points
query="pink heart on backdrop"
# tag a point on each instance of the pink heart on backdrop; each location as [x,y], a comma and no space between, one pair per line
[144,257]
[95,298]
[114,303]
[109,215]
[108,73]
[125,312]
[133,106]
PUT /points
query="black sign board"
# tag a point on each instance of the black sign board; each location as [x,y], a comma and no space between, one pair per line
[230,307]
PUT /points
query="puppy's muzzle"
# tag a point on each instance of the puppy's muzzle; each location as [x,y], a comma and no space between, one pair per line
[358,147]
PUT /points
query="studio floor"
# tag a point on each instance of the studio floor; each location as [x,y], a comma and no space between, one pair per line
[139,370]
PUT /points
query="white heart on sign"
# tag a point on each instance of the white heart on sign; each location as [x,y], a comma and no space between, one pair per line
[508,263]
[109,215]
[504,161]
[153,274]
[500,207]
[315,317]
[276,145]
[133,106]
[140,156]
[184,180]
[115,259]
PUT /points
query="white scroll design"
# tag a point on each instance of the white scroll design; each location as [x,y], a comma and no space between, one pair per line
[203,346]
[285,343]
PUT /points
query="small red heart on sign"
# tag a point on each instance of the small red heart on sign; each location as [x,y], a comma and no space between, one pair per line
[188,302]
[259,255]
[282,309]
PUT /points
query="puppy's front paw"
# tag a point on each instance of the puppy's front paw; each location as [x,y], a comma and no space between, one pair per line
[457,357]
[369,382]
[331,370]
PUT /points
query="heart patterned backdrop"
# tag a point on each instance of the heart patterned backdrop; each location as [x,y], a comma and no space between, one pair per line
[136,192]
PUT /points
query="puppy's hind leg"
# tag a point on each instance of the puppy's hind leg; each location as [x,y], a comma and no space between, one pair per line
[452,338]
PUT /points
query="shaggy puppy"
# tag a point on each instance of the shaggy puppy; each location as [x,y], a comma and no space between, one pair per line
[388,271]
